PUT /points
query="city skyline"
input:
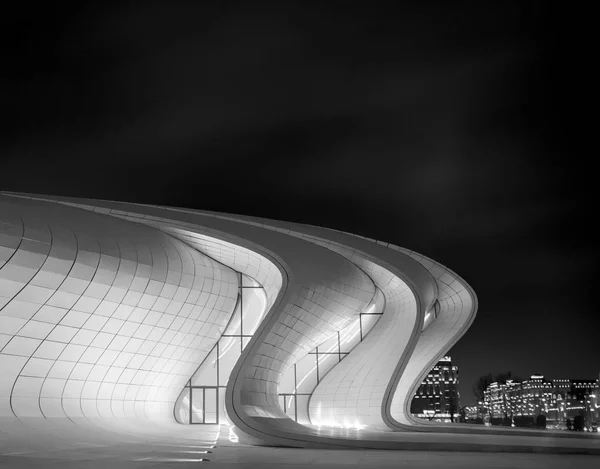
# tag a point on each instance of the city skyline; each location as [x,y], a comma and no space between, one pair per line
[559,401]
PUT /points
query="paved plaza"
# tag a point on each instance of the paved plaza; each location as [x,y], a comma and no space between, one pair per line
[214,446]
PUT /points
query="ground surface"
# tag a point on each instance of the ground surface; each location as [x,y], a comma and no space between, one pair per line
[217,447]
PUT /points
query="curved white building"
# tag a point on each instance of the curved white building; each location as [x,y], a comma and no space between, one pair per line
[127,317]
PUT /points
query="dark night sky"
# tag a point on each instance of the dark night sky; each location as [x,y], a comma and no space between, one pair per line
[449,130]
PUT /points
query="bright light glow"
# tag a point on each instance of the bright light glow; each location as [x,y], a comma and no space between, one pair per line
[355,425]
[353,336]
[232,436]
[371,306]
[226,348]
[170,459]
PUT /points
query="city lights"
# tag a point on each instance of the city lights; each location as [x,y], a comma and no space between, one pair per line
[558,401]
[438,394]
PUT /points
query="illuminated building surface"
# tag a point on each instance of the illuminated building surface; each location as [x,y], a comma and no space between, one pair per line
[472,412]
[132,319]
[437,398]
[558,400]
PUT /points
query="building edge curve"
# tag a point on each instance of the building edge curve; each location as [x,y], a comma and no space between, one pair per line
[418,353]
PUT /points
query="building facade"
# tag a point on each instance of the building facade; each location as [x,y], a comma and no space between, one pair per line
[125,318]
[134,316]
[437,398]
[472,413]
[559,400]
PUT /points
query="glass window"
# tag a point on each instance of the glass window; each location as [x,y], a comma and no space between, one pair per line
[290,406]
[235,324]
[245,341]
[249,282]
[367,322]
[197,405]
[254,304]
[287,383]
[302,410]
[350,336]
[208,401]
[210,405]
[330,345]
[207,373]
[222,412]
[182,407]
[326,363]
[229,353]
[306,374]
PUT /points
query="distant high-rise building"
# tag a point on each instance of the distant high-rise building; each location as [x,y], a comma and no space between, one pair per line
[472,412]
[437,397]
[558,399]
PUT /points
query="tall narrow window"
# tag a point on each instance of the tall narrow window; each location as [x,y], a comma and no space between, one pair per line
[203,399]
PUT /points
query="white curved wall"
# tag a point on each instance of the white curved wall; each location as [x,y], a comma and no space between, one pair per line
[316,282]
[347,394]
[320,293]
[101,318]
[458,305]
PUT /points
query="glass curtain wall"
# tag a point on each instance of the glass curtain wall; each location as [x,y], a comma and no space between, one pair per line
[202,401]
[299,381]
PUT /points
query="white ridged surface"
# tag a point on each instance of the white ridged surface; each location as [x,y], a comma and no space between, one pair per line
[101,318]
[316,281]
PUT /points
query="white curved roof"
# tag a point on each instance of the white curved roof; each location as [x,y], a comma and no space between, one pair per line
[82,338]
